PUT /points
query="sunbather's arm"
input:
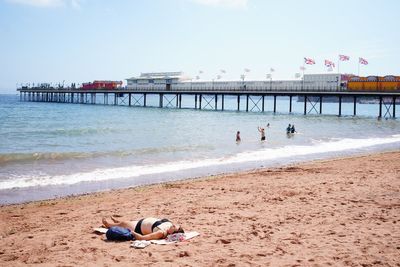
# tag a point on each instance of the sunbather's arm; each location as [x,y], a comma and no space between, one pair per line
[152,236]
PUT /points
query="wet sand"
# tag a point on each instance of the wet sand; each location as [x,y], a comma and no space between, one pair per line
[342,212]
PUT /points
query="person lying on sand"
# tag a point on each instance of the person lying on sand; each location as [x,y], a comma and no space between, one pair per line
[147,228]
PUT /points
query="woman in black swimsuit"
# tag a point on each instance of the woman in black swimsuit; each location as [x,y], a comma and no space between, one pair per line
[146,228]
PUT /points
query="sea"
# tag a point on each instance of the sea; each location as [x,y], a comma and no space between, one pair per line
[51,150]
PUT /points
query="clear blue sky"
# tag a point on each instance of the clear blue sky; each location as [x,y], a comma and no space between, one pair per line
[83,40]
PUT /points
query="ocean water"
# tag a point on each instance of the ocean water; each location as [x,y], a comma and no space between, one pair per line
[49,150]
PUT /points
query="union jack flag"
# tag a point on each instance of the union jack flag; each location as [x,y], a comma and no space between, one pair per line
[344,58]
[329,63]
[272,69]
[309,61]
[363,61]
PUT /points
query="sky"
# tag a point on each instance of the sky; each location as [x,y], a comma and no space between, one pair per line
[84,40]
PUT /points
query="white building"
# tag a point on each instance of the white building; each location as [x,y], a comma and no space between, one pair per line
[178,81]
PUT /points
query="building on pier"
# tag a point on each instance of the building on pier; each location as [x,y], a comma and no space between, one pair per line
[178,81]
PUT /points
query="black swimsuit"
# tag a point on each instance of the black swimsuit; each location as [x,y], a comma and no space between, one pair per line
[138,228]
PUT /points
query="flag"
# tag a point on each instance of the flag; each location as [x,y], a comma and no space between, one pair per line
[271,69]
[246,70]
[223,71]
[197,77]
[219,77]
[200,71]
[302,68]
[309,61]
[269,76]
[363,61]
[344,58]
[329,63]
[297,75]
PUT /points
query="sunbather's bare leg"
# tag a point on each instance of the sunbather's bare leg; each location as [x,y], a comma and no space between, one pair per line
[114,219]
[125,224]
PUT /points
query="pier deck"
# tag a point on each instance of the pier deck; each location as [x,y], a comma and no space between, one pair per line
[386,100]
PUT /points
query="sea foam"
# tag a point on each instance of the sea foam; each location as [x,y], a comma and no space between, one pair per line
[262,155]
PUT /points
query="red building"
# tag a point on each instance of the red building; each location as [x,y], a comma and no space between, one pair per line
[102,85]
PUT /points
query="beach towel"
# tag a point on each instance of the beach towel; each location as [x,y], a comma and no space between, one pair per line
[170,239]
[175,238]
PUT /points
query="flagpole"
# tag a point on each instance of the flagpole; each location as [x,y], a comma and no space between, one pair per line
[358,67]
[338,62]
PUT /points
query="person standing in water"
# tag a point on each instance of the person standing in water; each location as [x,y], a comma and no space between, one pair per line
[292,130]
[238,139]
[289,129]
[262,132]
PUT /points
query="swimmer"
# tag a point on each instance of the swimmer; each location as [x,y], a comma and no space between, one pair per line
[238,139]
[262,132]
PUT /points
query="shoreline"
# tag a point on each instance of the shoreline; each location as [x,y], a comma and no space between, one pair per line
[200,177]
[329,211]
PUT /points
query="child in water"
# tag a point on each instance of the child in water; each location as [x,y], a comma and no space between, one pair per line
[238,139]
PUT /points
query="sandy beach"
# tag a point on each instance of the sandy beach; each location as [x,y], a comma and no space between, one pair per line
[341,212]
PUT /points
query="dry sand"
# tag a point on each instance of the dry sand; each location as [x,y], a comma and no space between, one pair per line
[337,212]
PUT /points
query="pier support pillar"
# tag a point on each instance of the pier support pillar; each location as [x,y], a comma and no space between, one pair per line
[340,105]
[180,100]
[200,98]
[380,107]
[394,107]
[354,105]
[161,100]
[177,101]
[238,103]
[223,100]
[305,105]
[130,100]
[115,99]
[247,103]
[263,103]
[320,105]
[290,104]
[144,100]
[216,101]
[274,103]
[195,101]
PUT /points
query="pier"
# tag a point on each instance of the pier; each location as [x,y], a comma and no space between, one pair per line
[209,99]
